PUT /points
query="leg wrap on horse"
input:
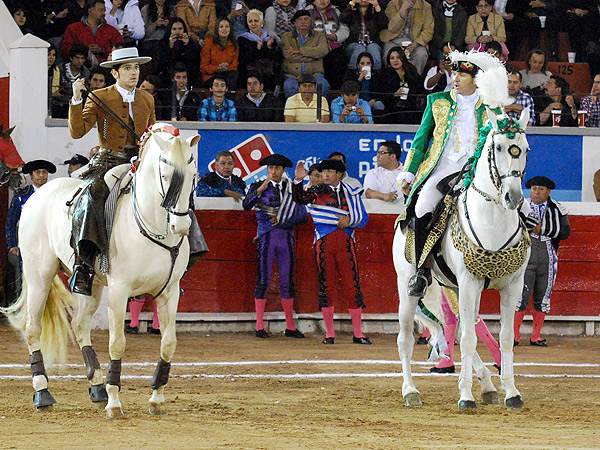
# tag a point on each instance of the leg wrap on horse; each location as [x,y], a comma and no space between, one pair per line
[161,374]
[37,364]
[91,361]
[114,373]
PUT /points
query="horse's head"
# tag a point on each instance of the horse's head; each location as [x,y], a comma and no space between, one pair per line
[171,164]
[508,156]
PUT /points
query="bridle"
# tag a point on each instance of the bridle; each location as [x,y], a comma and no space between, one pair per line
[513,150]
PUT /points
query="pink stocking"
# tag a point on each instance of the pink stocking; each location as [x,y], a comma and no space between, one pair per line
[490,342]
[155,323]
[328,319]
[356,316]
[288,310]
[538,321]
[519,316]
[260,304]
[449,334]
[135,307]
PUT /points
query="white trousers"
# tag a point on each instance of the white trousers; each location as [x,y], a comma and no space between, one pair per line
[429,195]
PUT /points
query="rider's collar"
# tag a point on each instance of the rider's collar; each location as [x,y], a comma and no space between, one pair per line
[128,96]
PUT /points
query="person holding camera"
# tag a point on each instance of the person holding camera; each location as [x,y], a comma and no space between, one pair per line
[177,46]
[125,16]
[348,108]
[365,19]
[439,78]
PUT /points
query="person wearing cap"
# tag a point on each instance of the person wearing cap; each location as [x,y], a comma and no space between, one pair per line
[451,122]
[135,108]
[348,108]
[277,215]
[337,210]
[93,31]
[303,52]
[548,224]
[38,170]
[303,106]
[76,162]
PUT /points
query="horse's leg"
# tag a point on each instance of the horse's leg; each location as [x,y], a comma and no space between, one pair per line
[166,305]
[509,297]
[489,394]
[39,277]
[117,306]
[82,326]
[468,296]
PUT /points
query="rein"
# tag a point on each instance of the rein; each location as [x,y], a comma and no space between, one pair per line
[169,201]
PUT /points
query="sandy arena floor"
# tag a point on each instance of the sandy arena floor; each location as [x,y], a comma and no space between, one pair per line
[300,394]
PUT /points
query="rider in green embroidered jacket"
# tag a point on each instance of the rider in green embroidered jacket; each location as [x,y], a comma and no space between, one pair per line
[451,123]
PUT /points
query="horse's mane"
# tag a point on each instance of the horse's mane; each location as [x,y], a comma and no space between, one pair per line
[507,126]
[176,148]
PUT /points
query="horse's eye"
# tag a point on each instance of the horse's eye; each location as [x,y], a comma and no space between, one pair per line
[498,148]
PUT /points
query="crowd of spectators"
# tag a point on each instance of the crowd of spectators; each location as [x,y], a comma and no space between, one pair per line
[229,60]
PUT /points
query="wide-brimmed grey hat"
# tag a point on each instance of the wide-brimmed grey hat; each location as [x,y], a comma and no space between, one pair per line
[125,55]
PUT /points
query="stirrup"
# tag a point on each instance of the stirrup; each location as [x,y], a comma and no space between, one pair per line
[418,283]
[81,280]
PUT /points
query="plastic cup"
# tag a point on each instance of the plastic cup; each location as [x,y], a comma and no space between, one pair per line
[406,44]
[404,96]
[556,117]
[571,56]
[542,21]
[582,117]
[486,33]
[367,72]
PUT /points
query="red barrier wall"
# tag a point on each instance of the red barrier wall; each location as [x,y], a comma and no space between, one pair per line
[224,280]
[4,120]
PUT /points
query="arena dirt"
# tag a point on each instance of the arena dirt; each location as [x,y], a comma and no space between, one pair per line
[292,413]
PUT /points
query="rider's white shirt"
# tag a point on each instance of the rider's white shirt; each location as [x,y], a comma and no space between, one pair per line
[463,134]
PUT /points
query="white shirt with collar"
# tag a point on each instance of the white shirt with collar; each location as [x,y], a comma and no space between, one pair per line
[383,180]
[128,97]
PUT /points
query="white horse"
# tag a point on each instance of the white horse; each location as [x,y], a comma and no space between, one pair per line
[149,252]
[487,214]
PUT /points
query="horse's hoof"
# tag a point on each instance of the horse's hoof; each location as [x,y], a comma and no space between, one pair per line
[114,413]
[45,409]
[514,403]
[490,398]
[413,399]
[467,404]
[98,394]
[43,398]
[158,409]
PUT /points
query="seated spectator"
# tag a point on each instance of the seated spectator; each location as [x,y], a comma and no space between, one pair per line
[70,71]
[326,17]
[315,176]
[54,82]
[220,55]
[365,19]
[485,26]
[258,51]
[521,99]
[20,16]
[279,17]
[439,78]
[591,104]
[222,182]
[96,80]
[495,49]
[581,21]
[184,101]
[156,15]
[353,182]
[302,107]
[522,21]
[409,21]
[398,87]
[380,182]
[200,17]
[450,26]
[237,16]
[363,74]
[177,46]
[348,108]
[125,16]
[217,108]
[150,84]
[256,105]
[303,53]
[92,31]
[535,75]
[45,18]
[77,11]
[557,98]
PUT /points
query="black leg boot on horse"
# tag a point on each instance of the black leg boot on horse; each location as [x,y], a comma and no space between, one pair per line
[83,272]
[417,284]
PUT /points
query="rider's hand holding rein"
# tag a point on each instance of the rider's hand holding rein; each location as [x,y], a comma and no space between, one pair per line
[78,87]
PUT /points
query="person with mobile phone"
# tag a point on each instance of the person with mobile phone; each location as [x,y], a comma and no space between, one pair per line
[125,15]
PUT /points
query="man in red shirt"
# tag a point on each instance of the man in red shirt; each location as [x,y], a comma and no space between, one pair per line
[92,31]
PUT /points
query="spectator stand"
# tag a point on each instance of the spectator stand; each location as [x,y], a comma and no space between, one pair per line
[577,74]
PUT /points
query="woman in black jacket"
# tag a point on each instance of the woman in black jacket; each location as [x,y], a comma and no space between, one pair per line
[177,46]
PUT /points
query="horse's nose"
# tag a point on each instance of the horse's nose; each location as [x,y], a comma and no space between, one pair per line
[182,231]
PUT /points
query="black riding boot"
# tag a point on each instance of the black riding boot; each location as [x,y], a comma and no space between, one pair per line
[83,272]
[417,284]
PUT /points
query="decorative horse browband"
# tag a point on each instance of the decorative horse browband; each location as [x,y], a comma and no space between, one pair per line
[483,263]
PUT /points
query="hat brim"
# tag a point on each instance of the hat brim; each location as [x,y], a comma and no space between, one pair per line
[138,59]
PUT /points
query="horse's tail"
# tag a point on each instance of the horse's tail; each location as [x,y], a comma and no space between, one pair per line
[430,314]
[56,326]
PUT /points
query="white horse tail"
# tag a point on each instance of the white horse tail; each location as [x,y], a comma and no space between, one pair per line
[17,312]
[429,313]
[56,324]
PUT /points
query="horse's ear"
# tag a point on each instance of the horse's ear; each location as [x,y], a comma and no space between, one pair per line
[524,118]
[192,141]
[164,145]
[493,118]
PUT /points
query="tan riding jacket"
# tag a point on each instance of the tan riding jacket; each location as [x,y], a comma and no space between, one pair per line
[111,134]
